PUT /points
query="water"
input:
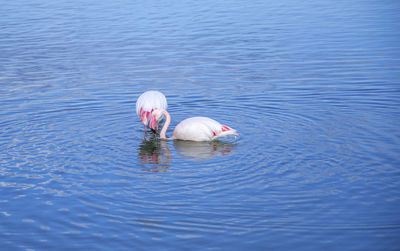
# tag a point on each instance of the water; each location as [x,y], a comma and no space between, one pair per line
[312,87]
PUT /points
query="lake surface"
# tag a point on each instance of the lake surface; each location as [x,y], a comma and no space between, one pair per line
[312,87]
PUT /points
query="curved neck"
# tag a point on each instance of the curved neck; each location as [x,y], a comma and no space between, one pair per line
[166,124]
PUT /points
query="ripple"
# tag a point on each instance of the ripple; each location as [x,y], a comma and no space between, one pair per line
[315,104]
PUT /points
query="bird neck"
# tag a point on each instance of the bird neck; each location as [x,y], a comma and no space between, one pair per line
[166,124]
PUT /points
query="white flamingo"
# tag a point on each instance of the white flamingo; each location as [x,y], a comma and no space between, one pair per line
[146,104]
[195,128]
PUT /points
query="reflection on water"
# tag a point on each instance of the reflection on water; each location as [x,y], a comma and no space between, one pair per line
[203,150]
[313,86]
[155,152]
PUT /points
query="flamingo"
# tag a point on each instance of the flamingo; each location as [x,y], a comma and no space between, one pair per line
[195,128]
[146,104]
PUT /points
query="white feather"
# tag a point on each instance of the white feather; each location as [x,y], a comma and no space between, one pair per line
[148,102]
[201,129]
[151,100]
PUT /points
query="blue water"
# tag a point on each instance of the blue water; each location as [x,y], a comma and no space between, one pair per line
[313,88]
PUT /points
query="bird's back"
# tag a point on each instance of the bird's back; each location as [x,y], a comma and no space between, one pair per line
[197,129]
[151,100]
[147,103]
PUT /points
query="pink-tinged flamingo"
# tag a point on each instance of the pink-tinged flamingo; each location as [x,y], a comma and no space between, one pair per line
[195,128]
[146,104]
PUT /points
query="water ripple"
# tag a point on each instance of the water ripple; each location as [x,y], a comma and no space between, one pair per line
[312,89]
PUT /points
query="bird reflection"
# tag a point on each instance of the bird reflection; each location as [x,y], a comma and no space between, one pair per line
[198,151]
[156,156]
[156,153]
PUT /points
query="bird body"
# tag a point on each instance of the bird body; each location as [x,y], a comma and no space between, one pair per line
[201,129]
[146,104]
[195,128]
